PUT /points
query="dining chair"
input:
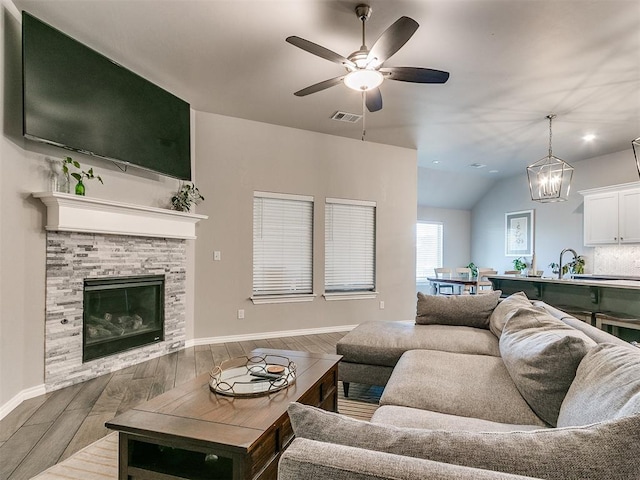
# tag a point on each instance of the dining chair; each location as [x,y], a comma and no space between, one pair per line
[443,272]
[483,281]
[463,272]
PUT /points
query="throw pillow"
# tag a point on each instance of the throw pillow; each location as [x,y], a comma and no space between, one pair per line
[607,386]
[541,354]
[465,310]
[504,310]
[603,450]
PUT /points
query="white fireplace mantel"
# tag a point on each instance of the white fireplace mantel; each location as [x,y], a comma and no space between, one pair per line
[76,213]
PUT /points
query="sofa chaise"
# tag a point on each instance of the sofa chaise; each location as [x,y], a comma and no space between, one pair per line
[479,388]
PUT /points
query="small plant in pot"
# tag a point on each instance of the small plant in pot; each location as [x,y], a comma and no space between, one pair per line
[575,267]
[474,269]
[187,195]
[89,175]
[519,264]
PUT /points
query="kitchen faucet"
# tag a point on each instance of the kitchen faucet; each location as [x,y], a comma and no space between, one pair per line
[575,255]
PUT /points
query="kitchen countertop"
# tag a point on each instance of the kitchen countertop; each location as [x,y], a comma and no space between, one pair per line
[595,281]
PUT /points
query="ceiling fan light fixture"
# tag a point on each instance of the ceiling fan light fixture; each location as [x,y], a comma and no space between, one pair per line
[363,80]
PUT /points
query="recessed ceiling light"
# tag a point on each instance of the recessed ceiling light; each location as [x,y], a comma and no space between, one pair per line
[493,171]
[589,138]
[436,161]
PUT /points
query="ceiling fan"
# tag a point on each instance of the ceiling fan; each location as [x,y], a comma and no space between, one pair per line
[365,71]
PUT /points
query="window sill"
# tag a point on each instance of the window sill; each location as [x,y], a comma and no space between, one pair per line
[331,296]
[264,299]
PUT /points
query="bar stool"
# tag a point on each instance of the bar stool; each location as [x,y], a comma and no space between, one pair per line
[605,320]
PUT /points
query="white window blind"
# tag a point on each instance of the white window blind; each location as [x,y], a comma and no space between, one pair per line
[350,243]
[428,250]
[282,244]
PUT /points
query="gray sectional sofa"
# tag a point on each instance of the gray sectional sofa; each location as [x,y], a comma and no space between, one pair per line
[477,388]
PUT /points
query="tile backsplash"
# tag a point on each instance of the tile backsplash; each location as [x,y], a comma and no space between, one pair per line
[617,260]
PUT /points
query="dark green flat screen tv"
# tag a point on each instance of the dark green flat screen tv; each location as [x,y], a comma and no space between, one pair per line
[78,99]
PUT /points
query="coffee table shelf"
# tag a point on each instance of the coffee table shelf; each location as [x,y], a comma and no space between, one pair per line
[170,436]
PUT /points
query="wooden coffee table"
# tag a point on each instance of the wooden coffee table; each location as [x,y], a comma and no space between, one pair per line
[191,432]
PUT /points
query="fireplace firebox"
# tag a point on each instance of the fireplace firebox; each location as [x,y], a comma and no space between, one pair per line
[121,314]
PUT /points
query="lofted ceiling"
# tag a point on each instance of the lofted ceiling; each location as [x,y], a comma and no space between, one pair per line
[511,63]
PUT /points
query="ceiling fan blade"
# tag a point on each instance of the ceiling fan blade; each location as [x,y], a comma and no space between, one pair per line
[320,51]
[319,86]
[415,74]
[392,39]
[373,100]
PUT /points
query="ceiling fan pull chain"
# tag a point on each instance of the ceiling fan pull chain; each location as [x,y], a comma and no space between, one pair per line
[364,114]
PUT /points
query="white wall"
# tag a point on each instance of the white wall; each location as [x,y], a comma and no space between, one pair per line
[557,225]
[237,157]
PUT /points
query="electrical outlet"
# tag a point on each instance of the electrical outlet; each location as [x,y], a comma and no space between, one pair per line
[240,314]
[217,255]
[381,304]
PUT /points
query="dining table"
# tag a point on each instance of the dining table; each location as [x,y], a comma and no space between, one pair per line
[465,283]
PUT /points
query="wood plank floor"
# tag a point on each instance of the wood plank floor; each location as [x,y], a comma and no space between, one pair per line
[45,430]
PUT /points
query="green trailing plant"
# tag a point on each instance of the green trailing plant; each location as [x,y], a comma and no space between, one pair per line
[187,195]
[474,269]
[519,264]
[89,175]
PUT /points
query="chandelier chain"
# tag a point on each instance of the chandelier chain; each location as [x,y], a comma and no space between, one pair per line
[550,117]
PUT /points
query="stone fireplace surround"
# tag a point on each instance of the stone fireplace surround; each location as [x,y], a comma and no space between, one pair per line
[90,238]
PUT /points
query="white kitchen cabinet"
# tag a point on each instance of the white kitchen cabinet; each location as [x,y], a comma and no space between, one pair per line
[612,215]
[629,215]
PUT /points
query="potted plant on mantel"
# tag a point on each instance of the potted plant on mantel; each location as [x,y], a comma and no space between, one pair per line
[187,195]
[89,175]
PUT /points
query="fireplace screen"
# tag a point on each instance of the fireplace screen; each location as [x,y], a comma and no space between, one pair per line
[121,314]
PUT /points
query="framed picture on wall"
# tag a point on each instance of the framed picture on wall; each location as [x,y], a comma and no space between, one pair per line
[518,227]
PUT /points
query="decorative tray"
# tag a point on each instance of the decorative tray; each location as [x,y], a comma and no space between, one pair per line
[252,376]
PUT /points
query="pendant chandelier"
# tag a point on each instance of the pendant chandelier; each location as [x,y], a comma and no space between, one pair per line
[550,177]
[636,152]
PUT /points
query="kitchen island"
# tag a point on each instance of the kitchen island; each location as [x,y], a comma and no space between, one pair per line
[592,297]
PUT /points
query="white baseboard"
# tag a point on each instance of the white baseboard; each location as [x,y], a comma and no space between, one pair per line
[260,336]
[40,389]
[21,397]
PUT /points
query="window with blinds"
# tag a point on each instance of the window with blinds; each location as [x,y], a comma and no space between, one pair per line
[282,244]
[350,246]
[428,250]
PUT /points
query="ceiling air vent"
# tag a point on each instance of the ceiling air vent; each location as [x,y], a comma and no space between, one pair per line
[346,117]
[477,165]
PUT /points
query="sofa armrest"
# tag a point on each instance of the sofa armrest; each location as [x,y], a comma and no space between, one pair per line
[313,460]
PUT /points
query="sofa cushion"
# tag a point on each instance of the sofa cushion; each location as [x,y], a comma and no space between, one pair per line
[383,342]
[417,418]
[504,310]
[308,459]
[595,334]
[465,310]
[603,450]
[541,353]
[607,386]
[476,386]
